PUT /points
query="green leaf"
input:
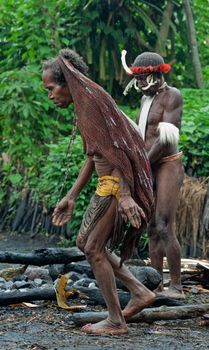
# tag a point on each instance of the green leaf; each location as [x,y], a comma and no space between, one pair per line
[15,178]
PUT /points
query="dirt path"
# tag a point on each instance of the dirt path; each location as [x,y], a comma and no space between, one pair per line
[50,328]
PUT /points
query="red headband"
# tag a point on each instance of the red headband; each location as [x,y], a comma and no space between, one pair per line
[161,68]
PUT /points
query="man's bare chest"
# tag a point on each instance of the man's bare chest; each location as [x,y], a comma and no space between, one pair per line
[155,116]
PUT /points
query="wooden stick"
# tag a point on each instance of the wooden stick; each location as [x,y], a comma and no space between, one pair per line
[147,315]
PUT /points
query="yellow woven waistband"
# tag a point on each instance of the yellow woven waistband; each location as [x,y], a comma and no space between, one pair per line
[108,186]
[171,158]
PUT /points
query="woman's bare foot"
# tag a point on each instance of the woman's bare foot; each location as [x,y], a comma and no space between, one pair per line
[137,303]
[173,293]
[106,327]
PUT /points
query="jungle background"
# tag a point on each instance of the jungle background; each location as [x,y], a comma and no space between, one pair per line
[35,136]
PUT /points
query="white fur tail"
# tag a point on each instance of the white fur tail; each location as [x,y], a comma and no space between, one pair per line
[169,133]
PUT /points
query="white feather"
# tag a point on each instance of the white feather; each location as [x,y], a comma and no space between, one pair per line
[169,133]
[123,60]
[129,86]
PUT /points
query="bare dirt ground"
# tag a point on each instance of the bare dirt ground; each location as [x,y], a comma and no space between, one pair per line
[49,328]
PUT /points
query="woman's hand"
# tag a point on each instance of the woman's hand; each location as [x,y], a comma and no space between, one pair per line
[131,211]
[63,211]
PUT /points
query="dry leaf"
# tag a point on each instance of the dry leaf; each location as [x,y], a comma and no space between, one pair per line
[62,295]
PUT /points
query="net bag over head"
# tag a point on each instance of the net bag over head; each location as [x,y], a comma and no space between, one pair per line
[106,131]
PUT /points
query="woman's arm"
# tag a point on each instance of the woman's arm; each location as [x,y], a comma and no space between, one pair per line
[64,209]
[130,210]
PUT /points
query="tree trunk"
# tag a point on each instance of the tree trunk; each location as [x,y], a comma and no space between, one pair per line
[102,60]
[164,29]
[16,296]
[43,256]
[94,296]
[193,44]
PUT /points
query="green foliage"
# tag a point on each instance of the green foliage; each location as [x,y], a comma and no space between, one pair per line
[182,74]
[21,114]
[53,173]
[33,31]
[28,122]
[99,30]
[195,131]
[143,246]
[201,13]
[36,30]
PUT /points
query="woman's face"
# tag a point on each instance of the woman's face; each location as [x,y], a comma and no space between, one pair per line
[59,94]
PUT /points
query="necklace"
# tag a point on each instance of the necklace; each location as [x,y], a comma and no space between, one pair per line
[68,153]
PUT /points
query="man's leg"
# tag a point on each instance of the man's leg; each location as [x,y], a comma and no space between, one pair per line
[156,250]
[95,253]
[169,180]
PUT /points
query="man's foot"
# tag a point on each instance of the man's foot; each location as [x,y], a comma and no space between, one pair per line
[106,327]
[137,303]
[173,293]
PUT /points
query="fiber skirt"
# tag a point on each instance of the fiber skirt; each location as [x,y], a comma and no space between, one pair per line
[96,209]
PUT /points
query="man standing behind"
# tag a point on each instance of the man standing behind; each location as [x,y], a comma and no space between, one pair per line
[159,121]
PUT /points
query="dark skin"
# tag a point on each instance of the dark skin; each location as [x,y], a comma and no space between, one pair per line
[105,265]
[168,178]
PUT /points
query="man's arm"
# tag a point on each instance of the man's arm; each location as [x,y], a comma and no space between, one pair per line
[64,209]
[168,129]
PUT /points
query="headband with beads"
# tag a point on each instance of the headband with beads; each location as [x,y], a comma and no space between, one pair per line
[137,71]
